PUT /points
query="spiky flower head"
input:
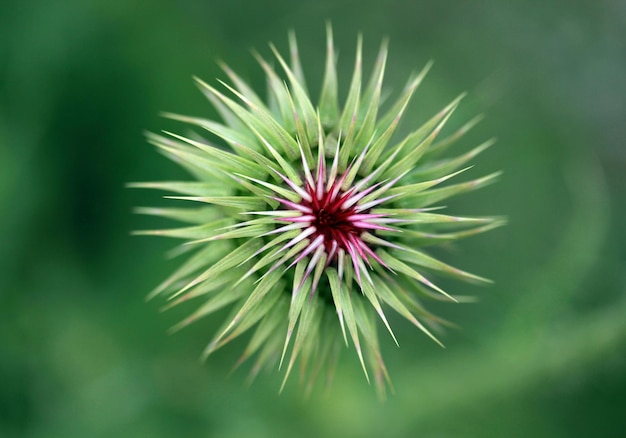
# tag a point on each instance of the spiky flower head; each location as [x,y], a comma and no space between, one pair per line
[312,221]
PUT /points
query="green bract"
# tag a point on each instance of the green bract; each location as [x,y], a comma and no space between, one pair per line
[308,221]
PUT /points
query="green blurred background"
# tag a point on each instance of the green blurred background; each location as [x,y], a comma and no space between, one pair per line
[541,354]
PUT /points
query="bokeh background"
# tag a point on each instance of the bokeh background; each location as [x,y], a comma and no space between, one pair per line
[541,354]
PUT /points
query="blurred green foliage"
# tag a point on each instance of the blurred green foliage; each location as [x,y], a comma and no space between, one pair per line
[543,352]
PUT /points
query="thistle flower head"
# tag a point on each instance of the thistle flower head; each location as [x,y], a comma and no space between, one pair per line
[311,221]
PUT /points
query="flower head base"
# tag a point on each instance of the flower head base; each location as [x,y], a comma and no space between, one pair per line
[311,219]
[332,219]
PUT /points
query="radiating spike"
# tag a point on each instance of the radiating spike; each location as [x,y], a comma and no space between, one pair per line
[369,226]
[341,256]
[335,165]
[306,233]
[333,250]
[294,205]
[303,194]
[306,168]
[319,240]
[371,204]
[317,255]
[284,229]
[357,197]
[306,218]
[321,171]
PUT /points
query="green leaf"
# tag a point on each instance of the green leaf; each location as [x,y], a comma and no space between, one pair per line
[370,100]
[296,67]
[298,298]
[184,187]
[390,298]
[415,146]
[349,116]
[274,254]
[304,107]
[227,262]
[397,109]
[226,160]
[367,326]
[418,216]
[397,265]
[195,232]
[345,301]
[388,124]
[259,121]
[307,332]
[445,167]
[251,231]
[335,288]
[419,258]
[267,328]
[412,189]
[370,292]
[430,238]
[216,302]
[245,203]
[190,158]
[191,215]
[279,94]
[257,313]
[229,117]
[242,86]
[233,137]
[442,145]
[258,303]
[329,103]
[202,258]
[429,197]
[220,283]
[302,135]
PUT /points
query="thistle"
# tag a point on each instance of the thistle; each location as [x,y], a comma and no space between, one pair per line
[311,220]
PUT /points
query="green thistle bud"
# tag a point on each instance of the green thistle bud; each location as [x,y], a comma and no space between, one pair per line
[311,221]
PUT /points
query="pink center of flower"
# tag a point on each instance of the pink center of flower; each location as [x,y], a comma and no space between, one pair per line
[332,219]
